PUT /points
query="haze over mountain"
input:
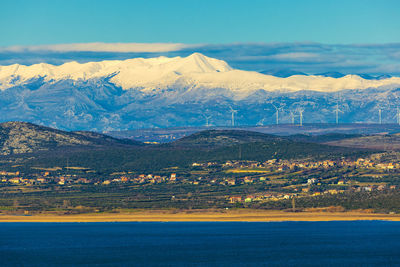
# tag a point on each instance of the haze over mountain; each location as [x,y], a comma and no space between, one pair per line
[178,91]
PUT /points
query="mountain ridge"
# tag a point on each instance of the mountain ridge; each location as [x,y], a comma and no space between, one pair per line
[195,70]
[22,137]
[182,91]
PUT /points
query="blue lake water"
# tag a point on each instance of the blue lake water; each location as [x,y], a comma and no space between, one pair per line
[361,243]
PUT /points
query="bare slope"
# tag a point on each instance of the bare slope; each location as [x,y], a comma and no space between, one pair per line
[23,137]
[381,142]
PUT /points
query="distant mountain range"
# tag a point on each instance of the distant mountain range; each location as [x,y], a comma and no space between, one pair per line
[166,92]
[285,73]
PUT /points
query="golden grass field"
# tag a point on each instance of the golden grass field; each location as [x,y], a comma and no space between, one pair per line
[202,216]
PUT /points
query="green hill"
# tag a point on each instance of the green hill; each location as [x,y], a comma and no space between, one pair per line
[207,146]
[220,138]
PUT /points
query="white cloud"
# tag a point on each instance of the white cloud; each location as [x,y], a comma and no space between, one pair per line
[304,57]
[101,47]
[295,56]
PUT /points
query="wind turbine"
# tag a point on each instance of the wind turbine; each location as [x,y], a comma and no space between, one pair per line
[207,119]
[277,109]
[397,116]
[301,110]
[292,116]
[337,110]
[380,114]
[233,115]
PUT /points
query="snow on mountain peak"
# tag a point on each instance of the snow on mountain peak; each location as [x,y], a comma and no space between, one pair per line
[193,71]
[200,63]
[136,72]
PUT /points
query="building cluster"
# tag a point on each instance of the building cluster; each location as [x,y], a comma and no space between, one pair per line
[305,192]
[42,178]
[376,162]
[282,165]
[142,179]
[47,178]
[261,197]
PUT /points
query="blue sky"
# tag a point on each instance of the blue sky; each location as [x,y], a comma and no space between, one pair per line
[309,36]
[213,22]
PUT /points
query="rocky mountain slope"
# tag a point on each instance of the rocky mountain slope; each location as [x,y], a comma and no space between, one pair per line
[21,137]
[170,92]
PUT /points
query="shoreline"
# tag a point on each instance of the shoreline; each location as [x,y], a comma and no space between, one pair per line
[203,216]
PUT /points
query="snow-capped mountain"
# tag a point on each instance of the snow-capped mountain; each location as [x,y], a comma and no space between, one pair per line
[195,70]
[179,91]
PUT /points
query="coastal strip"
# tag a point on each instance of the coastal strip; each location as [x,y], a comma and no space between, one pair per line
[202,216]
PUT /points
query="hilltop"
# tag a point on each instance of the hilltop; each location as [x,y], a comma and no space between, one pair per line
[23,137]
[308,132]
[220,138]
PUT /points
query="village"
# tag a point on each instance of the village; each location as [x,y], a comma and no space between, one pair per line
[272,180]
